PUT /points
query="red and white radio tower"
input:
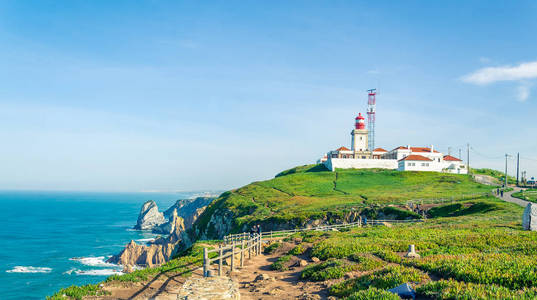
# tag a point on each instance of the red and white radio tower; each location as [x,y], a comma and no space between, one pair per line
[371,103]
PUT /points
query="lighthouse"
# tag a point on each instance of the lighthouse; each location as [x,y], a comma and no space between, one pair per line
[359,137]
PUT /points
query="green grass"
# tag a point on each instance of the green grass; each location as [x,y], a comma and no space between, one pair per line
[271,248]
[309,192]
[451,289]
[331,269]
[366,262]
[373,294]
[528,195]
[299,249]
[386,278]
[77,292]
[281,263]
[499,175]
[514,272]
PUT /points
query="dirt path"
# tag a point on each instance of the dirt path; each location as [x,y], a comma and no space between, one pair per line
[283,285]
[509,198]
[162,287]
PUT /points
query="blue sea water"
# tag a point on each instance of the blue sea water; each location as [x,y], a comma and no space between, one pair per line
[51,240]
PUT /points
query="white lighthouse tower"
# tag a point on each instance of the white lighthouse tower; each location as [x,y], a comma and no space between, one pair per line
[359,135]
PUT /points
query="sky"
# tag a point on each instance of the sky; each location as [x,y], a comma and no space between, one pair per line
[192,95]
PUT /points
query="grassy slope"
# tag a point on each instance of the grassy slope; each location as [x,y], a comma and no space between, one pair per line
[477,254]
[499,175]
[311,192]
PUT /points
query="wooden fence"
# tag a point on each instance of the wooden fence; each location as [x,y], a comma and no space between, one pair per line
[251,243]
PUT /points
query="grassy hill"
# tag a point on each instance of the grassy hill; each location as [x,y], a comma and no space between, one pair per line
[471,248]
[312,192]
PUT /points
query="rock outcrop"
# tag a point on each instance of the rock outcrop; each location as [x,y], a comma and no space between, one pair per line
[181,217]
[156,253]
[529,218]
[149,217]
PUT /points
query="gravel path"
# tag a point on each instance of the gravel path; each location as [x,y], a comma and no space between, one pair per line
[507,197]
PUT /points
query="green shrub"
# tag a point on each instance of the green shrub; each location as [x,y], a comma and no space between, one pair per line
[299,249]
[388,256]
[77,292]
[386,278]
[271,248]
[331,269]
[366,263]
[373,294]
[451,289]
[511,271]
[280,263]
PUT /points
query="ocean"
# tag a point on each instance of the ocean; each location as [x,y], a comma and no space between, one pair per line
[51,240]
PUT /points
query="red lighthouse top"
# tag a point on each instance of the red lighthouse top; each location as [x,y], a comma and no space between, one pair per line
[360,122]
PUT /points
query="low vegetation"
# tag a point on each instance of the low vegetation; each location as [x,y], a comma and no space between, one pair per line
[498,175]
[281,264]
[386,278]
[312,192]
[528,195]
[77,292]
[331,269]
[271,248]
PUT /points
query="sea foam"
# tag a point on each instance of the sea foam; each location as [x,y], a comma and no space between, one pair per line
[93,261]
[99,272]
[29,269]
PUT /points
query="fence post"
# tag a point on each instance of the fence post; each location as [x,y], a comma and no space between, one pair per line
[242,253]
[221,253]
[205,262]
[259,245]
[232,256]
[249,249]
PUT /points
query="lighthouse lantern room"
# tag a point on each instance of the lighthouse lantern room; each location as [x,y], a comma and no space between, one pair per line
[359,138]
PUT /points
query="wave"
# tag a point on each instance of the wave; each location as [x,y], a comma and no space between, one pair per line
[93,261]
[99,272]
[29,269]
[145,240]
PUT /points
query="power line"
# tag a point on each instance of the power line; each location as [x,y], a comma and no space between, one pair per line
[484,155]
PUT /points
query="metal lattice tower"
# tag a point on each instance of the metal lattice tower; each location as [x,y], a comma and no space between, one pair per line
[371,107]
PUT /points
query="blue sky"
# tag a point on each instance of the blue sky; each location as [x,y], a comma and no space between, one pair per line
[169,95]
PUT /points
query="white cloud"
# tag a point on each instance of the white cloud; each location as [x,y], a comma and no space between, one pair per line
[489,75]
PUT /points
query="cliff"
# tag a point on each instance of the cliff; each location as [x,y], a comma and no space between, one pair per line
[181,216]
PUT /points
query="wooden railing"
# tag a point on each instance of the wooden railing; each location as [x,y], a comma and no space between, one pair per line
[252,245]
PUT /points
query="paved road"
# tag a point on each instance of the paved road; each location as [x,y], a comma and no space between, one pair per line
[507,197]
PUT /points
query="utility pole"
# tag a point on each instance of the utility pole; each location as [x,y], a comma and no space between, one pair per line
[449,151]
[506,156]
[517,166]
[468,156]
[460,153]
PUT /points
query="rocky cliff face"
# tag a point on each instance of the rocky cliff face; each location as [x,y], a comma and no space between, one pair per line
[156,253]
[182,215]
[149,217]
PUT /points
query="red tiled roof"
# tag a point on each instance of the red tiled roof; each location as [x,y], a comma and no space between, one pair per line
[414,157]
[451,158]
[343,149]
[416,149]
[379,150]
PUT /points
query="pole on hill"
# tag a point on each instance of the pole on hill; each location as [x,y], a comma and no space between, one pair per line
[505,184]
[517,167]
[468,156]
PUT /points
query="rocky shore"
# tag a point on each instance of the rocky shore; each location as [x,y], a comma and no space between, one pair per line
[172,223]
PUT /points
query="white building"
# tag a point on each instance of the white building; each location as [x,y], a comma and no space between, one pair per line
[401,158]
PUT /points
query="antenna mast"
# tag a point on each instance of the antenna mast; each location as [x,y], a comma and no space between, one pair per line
[371,107]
